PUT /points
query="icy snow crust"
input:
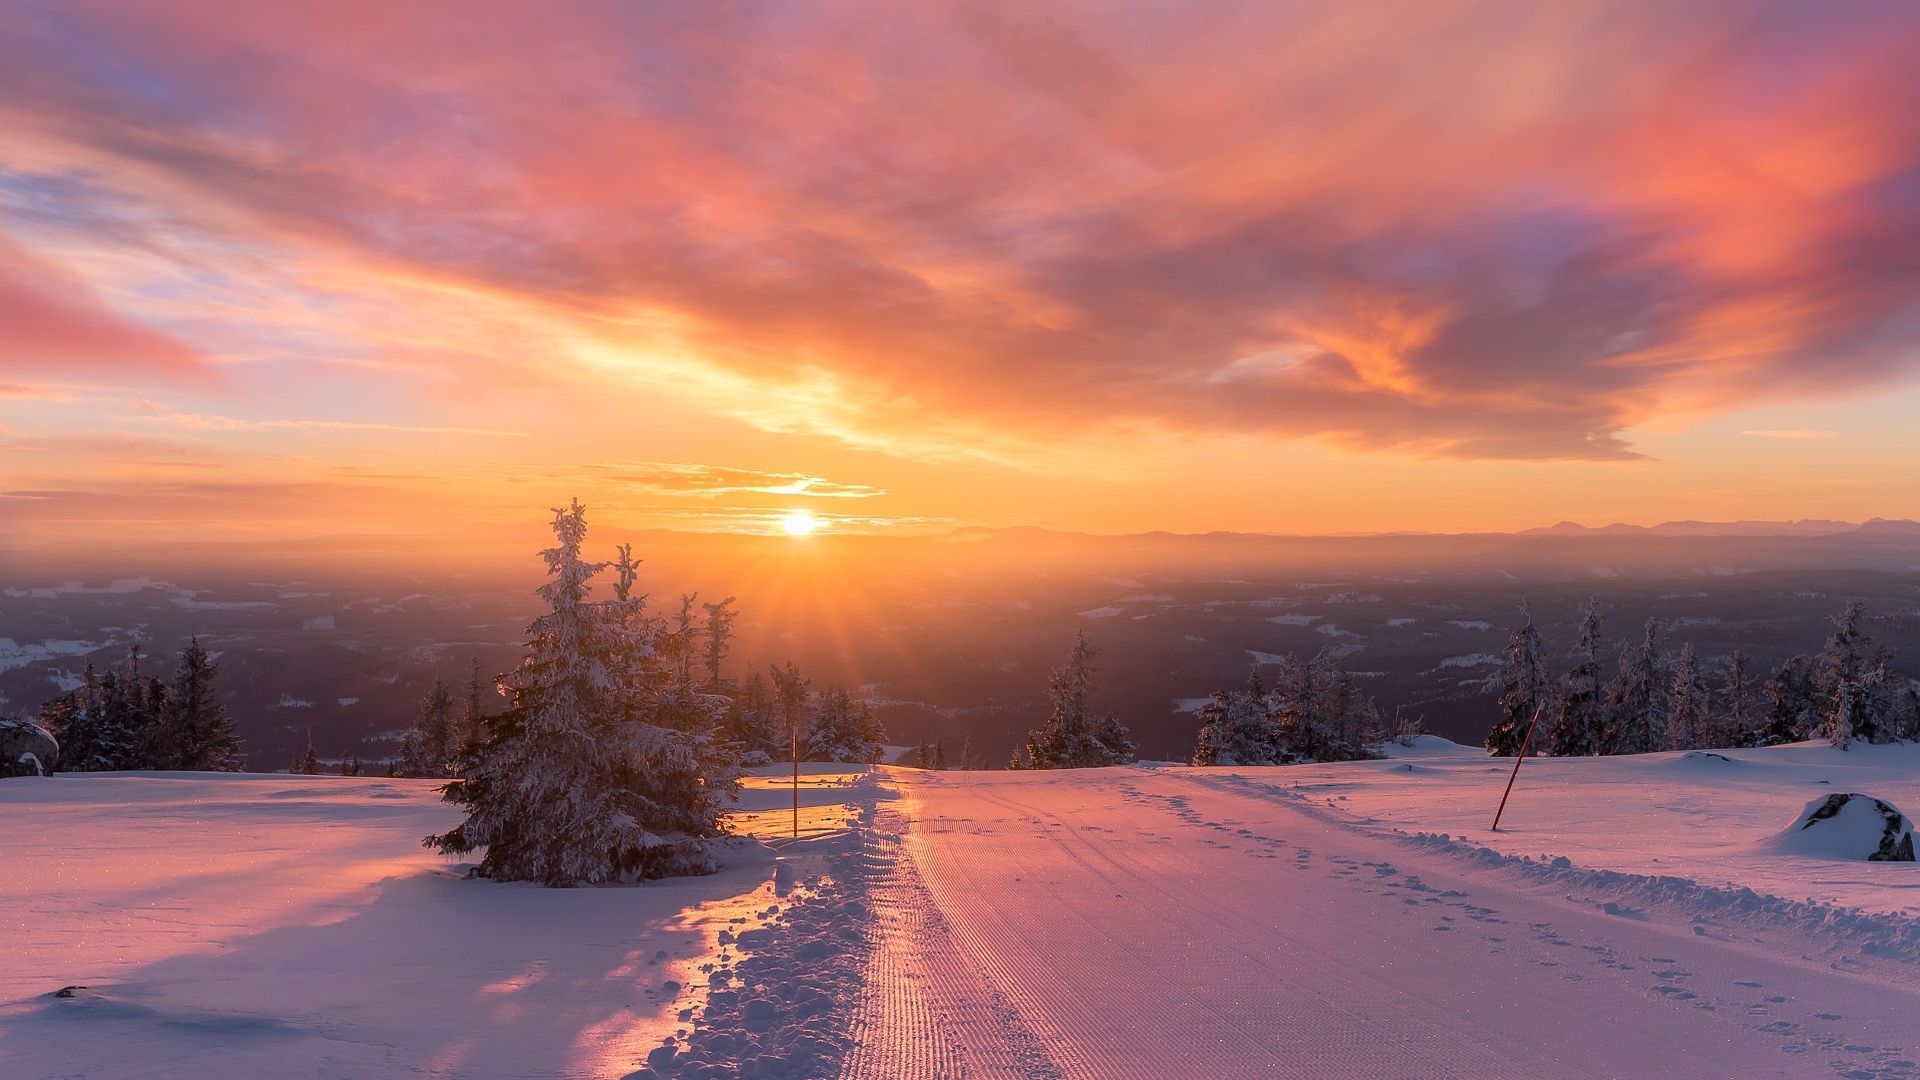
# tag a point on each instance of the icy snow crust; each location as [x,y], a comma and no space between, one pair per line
[1631,918]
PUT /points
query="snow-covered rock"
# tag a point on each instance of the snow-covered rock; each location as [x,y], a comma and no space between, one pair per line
[26,749]
[1848,825]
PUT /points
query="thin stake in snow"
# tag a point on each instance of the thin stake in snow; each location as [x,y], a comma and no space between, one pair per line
[1518,758]
[796,781]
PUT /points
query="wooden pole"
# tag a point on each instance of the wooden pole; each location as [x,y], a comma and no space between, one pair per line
[794,729]
[1524,743]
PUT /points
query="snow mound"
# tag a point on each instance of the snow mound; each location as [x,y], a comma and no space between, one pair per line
[1430,746]
[1847,826]
[1704,759]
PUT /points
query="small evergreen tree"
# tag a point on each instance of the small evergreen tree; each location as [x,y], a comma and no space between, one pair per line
[752,724]
[1844,681]
[719,637]
[1688,704]
[307,764]
[1074,737]
[1580,722]
[1237,728]
[195,733]
[1524,690]
[1635,724]
[1792,703]
[598,770]
[431,746]
[1735,722]
[845,730]
[473,715]
[790,702]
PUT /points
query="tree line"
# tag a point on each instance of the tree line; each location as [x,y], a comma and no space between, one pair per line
[1653,701]
[127,718]
[1311,712]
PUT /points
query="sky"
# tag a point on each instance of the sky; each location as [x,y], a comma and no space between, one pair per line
[1290,267]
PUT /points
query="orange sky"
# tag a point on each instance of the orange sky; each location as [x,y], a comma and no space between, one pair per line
[1286,267]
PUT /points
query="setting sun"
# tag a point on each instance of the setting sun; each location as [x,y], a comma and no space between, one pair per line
[799,523]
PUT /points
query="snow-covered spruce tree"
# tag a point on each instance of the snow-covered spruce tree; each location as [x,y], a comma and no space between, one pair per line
[842,729]
[1237,728]
[1793,706]
[1688,704]
[596,771]
[195,732]
[752,725]
[1635,723]
[431,746]
[1074,737]
[1319,715]
[1579,723]
[1523,688]
[1734,722]
[789,704]
[1844,682]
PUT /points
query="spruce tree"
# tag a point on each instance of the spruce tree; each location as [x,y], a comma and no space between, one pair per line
[1579,722]
[1073,736]
[1635,723]
[1844,682]
[789,706]
[1792,703]
[594,772]
[1523,688]
[1237,728]
[195,732]
[1734,717]
[1688,704]
[842,729]
[719,639]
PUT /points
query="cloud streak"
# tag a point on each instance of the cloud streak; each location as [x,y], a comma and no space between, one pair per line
[1500,230]
[712,481]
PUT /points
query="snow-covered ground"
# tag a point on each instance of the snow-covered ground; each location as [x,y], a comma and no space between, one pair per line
[1633,917]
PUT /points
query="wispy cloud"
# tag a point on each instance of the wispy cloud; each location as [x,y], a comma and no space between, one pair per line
[1503,230]
[1791,433]
[713,481]
[207,422]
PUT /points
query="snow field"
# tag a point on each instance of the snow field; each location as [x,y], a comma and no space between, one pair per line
[274,926]
[1145,923]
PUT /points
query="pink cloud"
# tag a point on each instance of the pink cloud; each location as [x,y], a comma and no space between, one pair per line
[50,324]
[1502,230]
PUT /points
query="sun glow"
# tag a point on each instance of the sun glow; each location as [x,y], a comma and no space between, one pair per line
[799,523]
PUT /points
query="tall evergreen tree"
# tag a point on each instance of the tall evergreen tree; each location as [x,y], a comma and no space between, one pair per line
[1580,722]
[591,774]
[1523,687]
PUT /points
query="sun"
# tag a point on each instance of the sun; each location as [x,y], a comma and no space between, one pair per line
[799,523]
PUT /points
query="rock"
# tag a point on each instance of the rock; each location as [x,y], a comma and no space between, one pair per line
[26,749]
[1849,825]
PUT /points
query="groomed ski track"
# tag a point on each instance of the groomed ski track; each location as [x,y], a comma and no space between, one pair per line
[1156,923]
